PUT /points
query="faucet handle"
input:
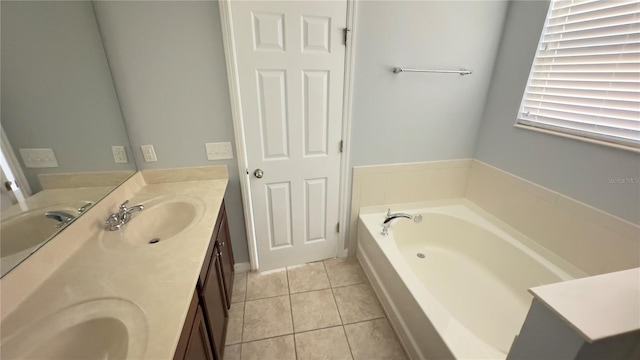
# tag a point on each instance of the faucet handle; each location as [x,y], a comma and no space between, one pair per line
[84,207]
[112,219]
[388,212]
[123,206]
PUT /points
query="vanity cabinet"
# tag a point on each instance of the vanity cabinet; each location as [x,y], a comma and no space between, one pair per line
[204,330]
[226,257]
[194,341]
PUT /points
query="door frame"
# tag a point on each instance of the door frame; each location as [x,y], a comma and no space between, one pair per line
[240,141]
[13,165]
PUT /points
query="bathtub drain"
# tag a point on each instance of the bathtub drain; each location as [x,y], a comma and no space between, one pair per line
[421,255]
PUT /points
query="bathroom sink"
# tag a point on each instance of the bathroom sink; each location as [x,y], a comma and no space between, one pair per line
[97,329]
[161,220]
[28,229]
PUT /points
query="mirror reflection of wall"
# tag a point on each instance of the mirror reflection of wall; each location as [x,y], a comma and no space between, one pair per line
[60,115]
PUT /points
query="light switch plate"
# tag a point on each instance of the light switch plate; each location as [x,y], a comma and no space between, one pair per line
[119,154]
[38,158]
[219,151]
[148,153]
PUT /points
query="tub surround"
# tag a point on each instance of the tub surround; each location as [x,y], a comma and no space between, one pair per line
[80,265]
[592,240]
[403,183]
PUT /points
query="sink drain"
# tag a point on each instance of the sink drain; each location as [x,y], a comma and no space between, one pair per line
[154,240]
[421,255]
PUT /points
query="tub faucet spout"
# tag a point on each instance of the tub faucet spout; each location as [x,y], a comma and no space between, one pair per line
[390,217]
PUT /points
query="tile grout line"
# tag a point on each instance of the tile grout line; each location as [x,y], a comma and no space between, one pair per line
[333,294]
[293,327]
[244,312]
[290,294]
[348,343]
[344,331]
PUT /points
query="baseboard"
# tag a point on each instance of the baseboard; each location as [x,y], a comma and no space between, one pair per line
[242,267]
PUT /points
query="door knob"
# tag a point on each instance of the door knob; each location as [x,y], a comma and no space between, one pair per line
[258,173]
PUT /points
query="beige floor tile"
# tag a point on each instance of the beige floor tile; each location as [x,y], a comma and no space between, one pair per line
[344,271]
[279,348]
[239,287]
[261,285]
[307,277]
[323,344]
[314,310]
[232,352]
[267,318]
[357,303]
[373,340]
[234,328]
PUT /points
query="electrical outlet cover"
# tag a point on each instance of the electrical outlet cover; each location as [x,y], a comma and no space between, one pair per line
[218,151]
[38,158]
[148,153]
[119,154]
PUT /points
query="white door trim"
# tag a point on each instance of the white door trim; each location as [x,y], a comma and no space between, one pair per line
[14,164]
[345,171]
[236,114]
[238,131]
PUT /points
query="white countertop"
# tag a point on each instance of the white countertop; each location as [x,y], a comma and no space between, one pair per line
[597,307]
[159,279]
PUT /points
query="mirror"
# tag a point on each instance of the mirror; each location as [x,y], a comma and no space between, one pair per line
[60,119]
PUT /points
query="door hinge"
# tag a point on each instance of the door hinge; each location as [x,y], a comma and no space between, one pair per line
[345,35]
[341,145]
[338,228]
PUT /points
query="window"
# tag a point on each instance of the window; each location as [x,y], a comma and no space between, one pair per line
[585,78]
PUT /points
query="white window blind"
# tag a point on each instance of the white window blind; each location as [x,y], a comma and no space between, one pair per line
[585,79]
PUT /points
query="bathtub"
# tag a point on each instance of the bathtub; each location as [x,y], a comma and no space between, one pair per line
[454,285]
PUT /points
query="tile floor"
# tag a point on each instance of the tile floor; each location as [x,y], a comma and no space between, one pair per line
[322,310]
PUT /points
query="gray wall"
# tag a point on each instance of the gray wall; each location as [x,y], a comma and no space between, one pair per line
[413,117]
[168,66]
[57,90]
[577,169]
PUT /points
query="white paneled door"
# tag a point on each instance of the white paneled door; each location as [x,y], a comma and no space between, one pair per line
[290,59]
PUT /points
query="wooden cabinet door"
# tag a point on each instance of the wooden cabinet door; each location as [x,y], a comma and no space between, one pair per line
[199,347]
[194,343]
[215,307]
[226,258]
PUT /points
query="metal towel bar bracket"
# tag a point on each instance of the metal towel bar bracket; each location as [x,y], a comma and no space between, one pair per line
[462,71]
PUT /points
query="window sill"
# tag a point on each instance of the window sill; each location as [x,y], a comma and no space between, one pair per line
[579,138]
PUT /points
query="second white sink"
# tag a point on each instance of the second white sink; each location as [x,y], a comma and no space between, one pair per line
[108,328]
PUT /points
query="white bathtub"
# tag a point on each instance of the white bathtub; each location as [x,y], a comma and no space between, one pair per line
[467,298]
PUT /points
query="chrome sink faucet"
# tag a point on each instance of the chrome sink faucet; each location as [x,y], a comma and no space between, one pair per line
[63,218]
[117,220]
[392,216]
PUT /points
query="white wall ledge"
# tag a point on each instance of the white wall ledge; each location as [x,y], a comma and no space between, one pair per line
[597,307]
